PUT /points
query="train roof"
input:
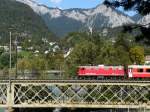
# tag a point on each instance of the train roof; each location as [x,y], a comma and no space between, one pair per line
[139,66]
[102,66]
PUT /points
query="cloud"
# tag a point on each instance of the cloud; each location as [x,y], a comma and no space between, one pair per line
[56,1]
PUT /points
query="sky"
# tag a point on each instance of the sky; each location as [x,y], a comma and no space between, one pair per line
[66,4]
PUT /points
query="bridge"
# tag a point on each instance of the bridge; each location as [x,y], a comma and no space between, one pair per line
[74,94]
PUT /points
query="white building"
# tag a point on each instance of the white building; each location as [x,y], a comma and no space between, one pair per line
[19,48]
[147,60]
[6,48]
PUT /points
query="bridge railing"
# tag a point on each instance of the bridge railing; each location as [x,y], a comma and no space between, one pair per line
[75,94]
[3,94]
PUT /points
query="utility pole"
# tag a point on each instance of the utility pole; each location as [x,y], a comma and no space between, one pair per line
[10,56]
[10,66]
[16,44]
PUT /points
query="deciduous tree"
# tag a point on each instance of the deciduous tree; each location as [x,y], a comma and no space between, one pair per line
[24,64]
[137,55]
[84,53]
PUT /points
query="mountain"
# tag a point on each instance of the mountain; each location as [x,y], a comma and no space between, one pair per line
[136,17]
[63,21]
[22,21]
[144,20]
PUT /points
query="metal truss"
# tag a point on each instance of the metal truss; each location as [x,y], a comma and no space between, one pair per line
[82,95]
[3,94]
[74,94]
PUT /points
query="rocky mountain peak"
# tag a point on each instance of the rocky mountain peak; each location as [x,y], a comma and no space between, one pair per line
[75,19]
[145,20]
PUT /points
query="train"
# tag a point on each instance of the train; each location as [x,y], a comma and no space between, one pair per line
[114,72]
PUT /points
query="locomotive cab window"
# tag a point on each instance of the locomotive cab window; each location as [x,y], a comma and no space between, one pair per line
[140,70]
[148,70]
[82,68]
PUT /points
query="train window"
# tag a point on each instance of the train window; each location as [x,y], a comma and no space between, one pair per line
[148,70]
[82,68]
[140,70]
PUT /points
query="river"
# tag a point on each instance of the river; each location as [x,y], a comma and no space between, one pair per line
[78,110]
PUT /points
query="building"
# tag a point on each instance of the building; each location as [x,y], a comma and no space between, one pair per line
[6,48]
[19,48]
[147,60]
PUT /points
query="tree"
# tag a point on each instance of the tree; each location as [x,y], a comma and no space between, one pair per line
[23,64]
[58,61]
[4,60]
[122,56]
[74,38]
[114,53]
[137,55]
[71,71]
[38,63]
[2,51]
[84,53]
[107,55]
[124,40]
[55,60]
[141,6]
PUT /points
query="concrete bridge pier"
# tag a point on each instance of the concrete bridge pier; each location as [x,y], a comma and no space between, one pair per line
[10,97]
[143,110]
[10,109]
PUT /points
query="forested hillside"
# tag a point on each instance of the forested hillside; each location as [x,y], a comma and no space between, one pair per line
[21,21]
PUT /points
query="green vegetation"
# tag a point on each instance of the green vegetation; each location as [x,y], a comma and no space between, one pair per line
[136,54]
[21,21]
[95,50]
[40,53]
[4,60]
[87,49]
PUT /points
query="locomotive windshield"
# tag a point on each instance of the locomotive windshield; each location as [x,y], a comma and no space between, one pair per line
[148,70]
[140,70]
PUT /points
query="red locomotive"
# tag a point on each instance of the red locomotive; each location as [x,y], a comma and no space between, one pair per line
[133,71]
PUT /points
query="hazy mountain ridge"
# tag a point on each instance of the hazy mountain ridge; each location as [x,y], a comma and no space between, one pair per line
[100,16]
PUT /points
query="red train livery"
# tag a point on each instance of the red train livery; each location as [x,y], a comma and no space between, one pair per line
[139,71]
[133,71]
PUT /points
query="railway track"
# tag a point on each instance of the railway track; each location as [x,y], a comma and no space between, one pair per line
[73,81]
